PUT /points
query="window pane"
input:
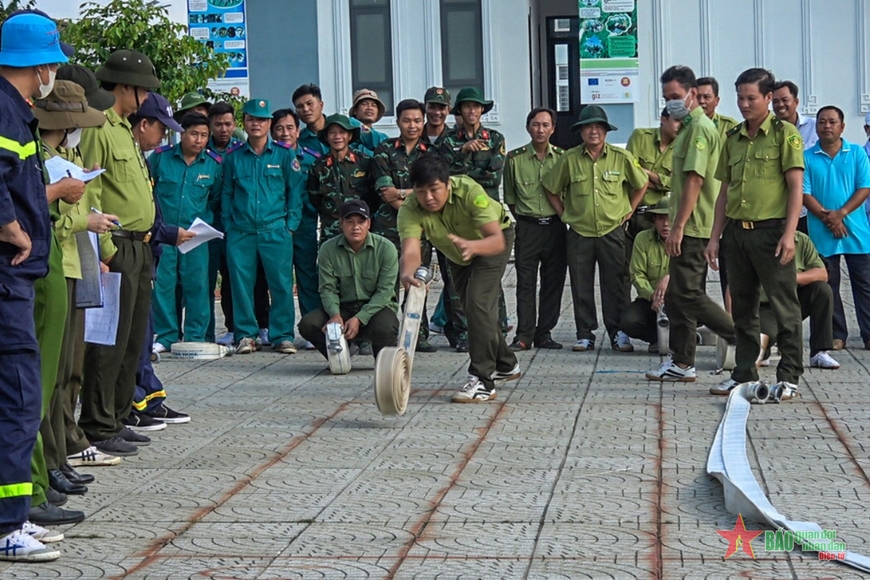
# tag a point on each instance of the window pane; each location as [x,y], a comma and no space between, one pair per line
[461,44]
[371,48]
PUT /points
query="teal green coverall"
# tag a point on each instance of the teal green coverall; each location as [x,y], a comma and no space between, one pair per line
[261,206]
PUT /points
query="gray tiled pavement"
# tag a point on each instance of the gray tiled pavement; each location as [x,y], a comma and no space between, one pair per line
[582,469]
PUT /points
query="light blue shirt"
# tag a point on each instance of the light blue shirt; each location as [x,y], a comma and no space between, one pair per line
[832,182]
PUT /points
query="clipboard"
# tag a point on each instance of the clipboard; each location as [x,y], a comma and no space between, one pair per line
[89,290]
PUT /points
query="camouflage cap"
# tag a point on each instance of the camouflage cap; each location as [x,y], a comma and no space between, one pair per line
[260,108]
[129,67]
[362,95]
[438,95]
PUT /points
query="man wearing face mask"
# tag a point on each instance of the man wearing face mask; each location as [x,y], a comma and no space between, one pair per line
[125,191]
[29,55]
[693,198]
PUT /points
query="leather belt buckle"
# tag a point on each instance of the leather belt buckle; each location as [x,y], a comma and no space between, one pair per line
[544,221]
[747,225]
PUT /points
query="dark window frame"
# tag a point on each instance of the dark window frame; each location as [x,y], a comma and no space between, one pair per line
[385,90]
[453,84]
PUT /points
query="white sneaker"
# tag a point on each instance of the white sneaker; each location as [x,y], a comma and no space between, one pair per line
[724,388]
[473,392]
[583,345]
[822,360]
[622,343]
[246,346]
[263,338]
[157,348]
[227,339]
[92,457]
[285,347]
[19,546]
[671,372]
[500,378]
[43,535]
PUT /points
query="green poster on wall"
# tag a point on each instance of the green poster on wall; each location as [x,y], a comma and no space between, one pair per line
[608,51]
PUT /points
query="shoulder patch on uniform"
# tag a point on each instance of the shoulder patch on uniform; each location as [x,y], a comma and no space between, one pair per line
[295,165]
[636,162]
[234,147]
[733,130]
[163,148]
[796,142]
[214,155]
[283,144]
[481,201]
[700,143]
[365,129]
[358,173]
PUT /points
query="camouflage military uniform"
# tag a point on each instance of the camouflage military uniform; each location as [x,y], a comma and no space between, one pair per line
[485,167]
[332,182]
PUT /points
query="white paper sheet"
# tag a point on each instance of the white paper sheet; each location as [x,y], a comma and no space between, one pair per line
[204,233]
[58,168]
[101,324]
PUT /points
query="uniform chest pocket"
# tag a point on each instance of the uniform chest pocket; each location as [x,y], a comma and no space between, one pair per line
[611,183]
[766,163]
[126,165]
[579,186]
[204,181]
[736,166]
[274,176]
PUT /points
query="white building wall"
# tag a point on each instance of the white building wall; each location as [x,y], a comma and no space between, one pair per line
[416,28]
[821,45]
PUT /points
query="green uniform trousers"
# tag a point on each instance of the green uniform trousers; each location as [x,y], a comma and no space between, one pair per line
[76,441]
[817,304]
[215,257]
[275,250]
[110,375]
[478,285]
[635,225]
[539,246]
[382,329]
[182,281]
[752,265]
[50,310]
[688,305]
[609,252]
[53,427]
[456,327]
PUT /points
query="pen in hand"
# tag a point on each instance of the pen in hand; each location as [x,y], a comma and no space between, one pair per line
[95,210]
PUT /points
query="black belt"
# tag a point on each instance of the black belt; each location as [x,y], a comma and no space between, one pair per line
[759,225]
[541,221]
[135,236]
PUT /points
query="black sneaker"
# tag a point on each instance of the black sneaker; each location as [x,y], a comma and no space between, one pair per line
[131,436]
[167,415]
[116,446]
[142,422]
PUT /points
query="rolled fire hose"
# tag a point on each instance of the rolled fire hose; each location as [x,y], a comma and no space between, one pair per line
[393,366]
[663,328]
[198,351]
[337,352]
[725,354]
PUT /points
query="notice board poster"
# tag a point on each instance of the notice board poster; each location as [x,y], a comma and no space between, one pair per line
[608,51]
[222,25]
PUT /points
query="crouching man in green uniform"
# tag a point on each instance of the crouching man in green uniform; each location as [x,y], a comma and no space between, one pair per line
[358,272]
[261,204]
[475,233]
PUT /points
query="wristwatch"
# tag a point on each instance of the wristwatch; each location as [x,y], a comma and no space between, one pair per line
[403,193]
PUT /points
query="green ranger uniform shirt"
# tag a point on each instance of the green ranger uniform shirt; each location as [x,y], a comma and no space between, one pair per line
[261,192]
[468,208]
[125,188]
[593,193]
[724,124]
[696,149]
[806,257]
[186,192]
[649,263]
[348,277]
[391,167]
[645,144]
[486,166]
[523,175]
[754,169]
[73,217]
[331,183]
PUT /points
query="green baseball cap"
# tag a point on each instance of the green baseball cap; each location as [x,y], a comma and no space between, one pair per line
[437,95]
[258,108]
[592,114]
[474,95]
[342,121]
[188,102]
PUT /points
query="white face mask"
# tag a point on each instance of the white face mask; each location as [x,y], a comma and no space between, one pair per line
[45,90]
[677,109]
[73,138]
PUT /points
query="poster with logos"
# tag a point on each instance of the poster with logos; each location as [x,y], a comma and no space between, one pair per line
[222,25]
[608,51]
